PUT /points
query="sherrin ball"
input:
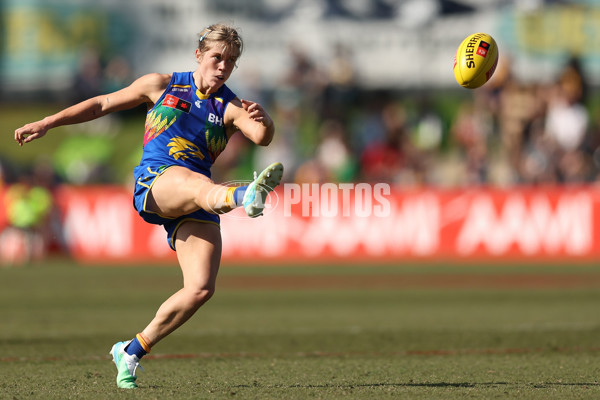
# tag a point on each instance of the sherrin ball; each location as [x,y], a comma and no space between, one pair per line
[475,61]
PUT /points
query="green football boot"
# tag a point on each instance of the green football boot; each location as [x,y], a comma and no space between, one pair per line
[257,191]
[127,366]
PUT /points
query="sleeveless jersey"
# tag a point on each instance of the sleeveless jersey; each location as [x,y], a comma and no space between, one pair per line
[186,127]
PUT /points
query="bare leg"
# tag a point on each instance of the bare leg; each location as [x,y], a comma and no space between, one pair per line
[199,252]
[179,191]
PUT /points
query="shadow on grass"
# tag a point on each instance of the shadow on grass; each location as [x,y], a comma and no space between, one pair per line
[427,384]
[547,384]
[373,385]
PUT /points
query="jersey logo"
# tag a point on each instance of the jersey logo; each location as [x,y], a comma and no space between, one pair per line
[156,124]
[177,103]
[215,119]
[180,88]
[182,149]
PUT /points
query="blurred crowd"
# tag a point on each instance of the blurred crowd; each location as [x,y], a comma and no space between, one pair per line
[330,129]
[508,132]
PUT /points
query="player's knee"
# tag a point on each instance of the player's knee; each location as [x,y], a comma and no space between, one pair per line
[200,296]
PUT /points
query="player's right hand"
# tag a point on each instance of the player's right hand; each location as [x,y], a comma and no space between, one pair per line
[29,132]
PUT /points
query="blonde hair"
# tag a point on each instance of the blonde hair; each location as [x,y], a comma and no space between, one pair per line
[221,33]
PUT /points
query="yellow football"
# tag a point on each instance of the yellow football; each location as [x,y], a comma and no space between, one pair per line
[475,60]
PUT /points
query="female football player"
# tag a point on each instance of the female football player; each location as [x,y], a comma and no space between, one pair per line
[191,116]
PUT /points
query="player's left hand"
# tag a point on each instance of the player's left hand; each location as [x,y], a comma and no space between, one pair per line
[256,112]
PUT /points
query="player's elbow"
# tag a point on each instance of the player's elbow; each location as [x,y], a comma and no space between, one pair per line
[264,140]
[264,136]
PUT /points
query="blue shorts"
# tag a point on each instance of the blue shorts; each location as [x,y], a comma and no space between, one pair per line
[145,176]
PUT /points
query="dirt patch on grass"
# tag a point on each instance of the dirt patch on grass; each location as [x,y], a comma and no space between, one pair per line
[411,281]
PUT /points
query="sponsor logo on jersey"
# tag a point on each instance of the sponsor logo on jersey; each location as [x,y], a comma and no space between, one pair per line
[180,88]
[177,103]
[215,119]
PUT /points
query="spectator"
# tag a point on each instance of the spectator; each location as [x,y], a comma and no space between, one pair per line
[567,124]
[28,207]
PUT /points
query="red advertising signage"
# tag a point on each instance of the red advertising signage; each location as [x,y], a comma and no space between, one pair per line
[355,224]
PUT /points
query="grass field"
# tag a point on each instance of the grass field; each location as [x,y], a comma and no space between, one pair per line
[510,332]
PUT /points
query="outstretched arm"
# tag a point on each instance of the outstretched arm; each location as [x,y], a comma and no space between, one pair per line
[146,89]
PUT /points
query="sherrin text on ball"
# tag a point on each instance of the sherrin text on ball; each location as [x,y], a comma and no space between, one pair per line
[475,61]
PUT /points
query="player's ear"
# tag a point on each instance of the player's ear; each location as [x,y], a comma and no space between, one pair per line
[198,55]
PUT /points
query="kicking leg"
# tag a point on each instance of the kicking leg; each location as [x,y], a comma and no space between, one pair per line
[179,191]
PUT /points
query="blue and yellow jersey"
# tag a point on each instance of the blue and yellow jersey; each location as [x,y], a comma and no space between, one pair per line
[186,127]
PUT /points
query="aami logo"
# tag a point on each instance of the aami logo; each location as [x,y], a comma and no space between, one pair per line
[212,118]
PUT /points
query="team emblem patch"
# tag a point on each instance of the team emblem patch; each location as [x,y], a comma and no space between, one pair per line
[177,103]
[182,149]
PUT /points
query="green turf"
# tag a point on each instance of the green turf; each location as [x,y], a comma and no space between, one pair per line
[58,322]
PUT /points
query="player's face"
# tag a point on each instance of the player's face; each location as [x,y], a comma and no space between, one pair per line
[216,65]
